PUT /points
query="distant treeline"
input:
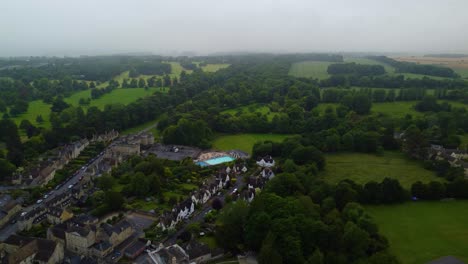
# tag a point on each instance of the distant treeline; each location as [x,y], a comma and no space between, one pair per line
[356,69]
[99,68]
[397,81]
[410,67]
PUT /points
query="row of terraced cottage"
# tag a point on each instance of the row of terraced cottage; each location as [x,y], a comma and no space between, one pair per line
[222,180]
[43,172]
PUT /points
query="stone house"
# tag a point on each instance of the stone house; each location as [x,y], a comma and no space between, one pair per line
[13,243]
[79,238]
[41,251]
[115,234]
[101,249]
[19,249]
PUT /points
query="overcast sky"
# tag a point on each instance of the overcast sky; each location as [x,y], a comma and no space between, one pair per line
[88,27]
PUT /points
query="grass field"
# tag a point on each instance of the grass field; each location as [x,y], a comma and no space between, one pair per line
[214,67]
[463,72]
[118,96]
[310,69]
[422,231]
[244,142]
[396,109]
[254,108]
[363,168]
[37,107]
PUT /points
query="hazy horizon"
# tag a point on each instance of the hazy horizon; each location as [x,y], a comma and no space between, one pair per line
[72,28]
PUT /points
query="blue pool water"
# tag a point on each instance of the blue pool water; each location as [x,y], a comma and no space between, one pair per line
[215,161]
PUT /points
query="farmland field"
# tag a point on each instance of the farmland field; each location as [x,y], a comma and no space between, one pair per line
[310,69]
[419,232]
[244,142]
[363,168]
[459,65]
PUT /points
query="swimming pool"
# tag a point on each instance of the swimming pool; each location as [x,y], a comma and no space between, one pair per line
[215,161]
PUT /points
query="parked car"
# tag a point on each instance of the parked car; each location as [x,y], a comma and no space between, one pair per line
[45,196]
[70,186]
[39,201]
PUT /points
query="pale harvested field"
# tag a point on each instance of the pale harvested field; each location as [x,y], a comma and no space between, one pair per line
[459,65]
[461,62]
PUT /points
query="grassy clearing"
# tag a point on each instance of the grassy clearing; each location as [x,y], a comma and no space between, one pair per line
[363,168]
[396,109]
[244,142]
[214,67]
[118,96]
[310,69]
[419,232]
[37,107]
[254,108]
[463,72]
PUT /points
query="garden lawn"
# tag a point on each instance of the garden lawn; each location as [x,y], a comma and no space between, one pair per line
[419,232]
[310,69]
[362,168]
[209,240]
[244,142]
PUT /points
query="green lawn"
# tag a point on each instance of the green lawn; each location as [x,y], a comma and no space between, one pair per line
[214,67]
[396,109]
[37,107]
[422,231]
[244,142]
[310,69]
[118,96]
[363,168]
